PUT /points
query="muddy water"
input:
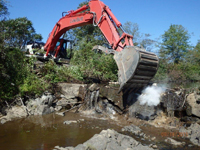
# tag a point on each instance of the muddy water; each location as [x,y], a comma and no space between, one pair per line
[46,132]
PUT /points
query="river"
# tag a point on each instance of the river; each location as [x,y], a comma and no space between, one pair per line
[46,132]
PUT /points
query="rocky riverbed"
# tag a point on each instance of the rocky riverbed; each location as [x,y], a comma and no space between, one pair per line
[172,122]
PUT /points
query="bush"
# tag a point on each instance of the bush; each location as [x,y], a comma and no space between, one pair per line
[91,65]
[13,72]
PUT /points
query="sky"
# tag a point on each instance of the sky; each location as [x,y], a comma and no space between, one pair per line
[153,16]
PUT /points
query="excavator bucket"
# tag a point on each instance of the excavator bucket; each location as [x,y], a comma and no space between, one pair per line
[136,68]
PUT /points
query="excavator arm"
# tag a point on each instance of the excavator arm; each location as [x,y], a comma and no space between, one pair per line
[99,15]
[136,66]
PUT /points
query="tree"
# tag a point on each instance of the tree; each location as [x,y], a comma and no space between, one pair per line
[133,29]
[18,31]
[139,39]
[196,53]
[175,43]
[3,10]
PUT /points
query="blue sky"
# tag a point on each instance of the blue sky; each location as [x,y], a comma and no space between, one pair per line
[153,16]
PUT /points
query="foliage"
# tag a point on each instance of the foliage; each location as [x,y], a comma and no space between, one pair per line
[18,31]
[139,39]
[175,43]
[94,65]
[3,10]
[12,73]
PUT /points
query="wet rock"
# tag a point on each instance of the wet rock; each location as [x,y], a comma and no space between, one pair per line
[193,108]
[143,112]
[43,110]
[17,112]
[110,140]
[65,102]
[13,113]
[4,119]
[153,146]
[112,95]
[133,129]
[60,114]
[47,99]
[174,142]
[70,121]
[69,90]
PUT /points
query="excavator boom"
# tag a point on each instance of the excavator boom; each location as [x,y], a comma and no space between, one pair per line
[136,66]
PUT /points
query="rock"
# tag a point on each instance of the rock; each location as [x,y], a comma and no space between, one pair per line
[193,108]
[173,99]
[58,108]
[16,112]
[110,140]
[69,122]
[60,114]
[194,131]
[47,99]
[153,138]
[4,119]
[69,90]
[13,113]
[143,112]
[133,129]
[64,102]
[112,95]
[43,110]
[153,146]
[173,142]
[94,87]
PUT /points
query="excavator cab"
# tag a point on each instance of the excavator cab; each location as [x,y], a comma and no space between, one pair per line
[65,48]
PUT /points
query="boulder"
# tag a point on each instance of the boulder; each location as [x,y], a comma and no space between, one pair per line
[133,129]
[64,102]
[194,130]
[13,113]
[70,121]
[111,93]
[47,99]
[69,90]
[109,140]
[173,99]
[174,142]
[43,110]
[193,107]
[143,112]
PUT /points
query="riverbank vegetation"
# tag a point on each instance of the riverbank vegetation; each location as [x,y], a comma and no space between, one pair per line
[18,75]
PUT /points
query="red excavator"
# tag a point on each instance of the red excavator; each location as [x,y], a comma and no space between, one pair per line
[136,66]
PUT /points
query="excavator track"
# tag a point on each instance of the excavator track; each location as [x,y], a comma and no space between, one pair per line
[136,68]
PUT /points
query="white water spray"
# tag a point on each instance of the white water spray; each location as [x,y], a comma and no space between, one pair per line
[151,95]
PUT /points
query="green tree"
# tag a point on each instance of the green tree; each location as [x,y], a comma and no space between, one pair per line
[18,31]
[175,43]
[196,53]
[3,9]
